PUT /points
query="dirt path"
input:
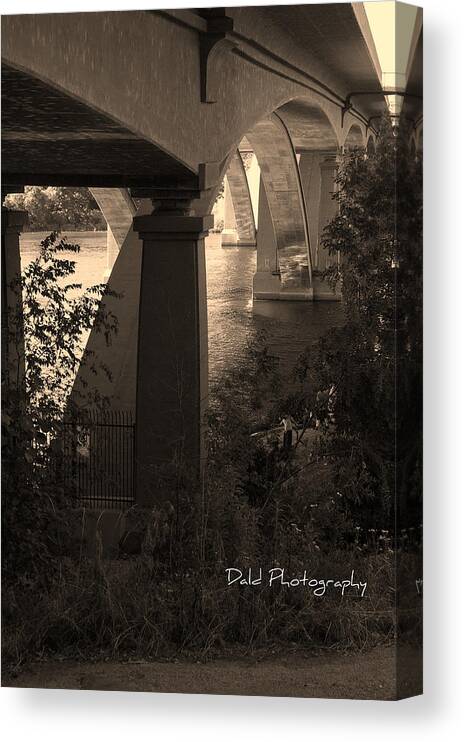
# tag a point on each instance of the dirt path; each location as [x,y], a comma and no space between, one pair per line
[324,675]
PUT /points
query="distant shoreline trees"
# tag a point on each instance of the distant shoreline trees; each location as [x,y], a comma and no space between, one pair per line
[57,208]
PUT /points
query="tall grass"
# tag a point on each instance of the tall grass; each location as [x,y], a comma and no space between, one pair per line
[258,507]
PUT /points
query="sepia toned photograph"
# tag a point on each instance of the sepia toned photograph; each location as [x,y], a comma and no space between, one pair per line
[212,350]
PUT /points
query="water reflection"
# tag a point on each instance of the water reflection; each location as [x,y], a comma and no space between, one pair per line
[233,319]
[293,264]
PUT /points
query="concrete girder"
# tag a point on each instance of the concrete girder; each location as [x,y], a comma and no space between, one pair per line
[311,125]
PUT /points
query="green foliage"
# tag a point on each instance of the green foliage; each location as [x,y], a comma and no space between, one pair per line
[46,330]
[58,317]
[58,208]
[374,361]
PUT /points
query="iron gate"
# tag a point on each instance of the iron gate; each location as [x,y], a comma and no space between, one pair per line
[99,459]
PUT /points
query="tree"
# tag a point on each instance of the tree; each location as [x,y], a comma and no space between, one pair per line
[49,328]
[374,362]
[57,208]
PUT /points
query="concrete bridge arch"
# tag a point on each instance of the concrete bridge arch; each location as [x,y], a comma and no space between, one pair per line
[296,150]
[354,138]
[284,262]
[118,210]
[249,89]
[239,220]
[316,137]
[295,147]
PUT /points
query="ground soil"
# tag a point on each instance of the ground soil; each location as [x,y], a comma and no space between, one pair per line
[327,674]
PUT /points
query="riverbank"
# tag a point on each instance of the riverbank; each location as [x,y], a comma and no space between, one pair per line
[296,673]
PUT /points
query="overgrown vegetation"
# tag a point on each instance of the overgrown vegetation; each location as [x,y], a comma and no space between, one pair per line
[44,334]
[328,505]
[375,359]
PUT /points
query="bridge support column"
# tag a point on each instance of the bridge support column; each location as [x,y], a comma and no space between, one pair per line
[266,281]
[229,233]
[118,209]
[239,207]
[318,172]
[13,223]
[273,147]
[328,208]
[112,251]
[172,368]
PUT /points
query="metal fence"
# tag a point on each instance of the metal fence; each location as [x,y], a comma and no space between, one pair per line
[99,459]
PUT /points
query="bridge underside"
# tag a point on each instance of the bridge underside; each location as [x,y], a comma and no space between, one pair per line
[51,138]
[154,104]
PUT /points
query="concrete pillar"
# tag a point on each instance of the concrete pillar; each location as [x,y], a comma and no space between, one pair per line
[122,301]
[310,174]
[118,210]
[273,147]
[328,209]
[112,251]
[266,281]
[172,368]
[229,233]
[241,199]
[318,171]
[121,354]
[13,223]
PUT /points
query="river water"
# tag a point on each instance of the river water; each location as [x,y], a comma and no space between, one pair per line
[233,320]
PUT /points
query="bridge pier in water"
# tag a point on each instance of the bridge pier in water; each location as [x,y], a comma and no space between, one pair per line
[266,281]
[239,223]
[283,261]
[229,237]
[318,171]
[118,210]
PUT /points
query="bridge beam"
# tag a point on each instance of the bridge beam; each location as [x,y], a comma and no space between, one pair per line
[172,364]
